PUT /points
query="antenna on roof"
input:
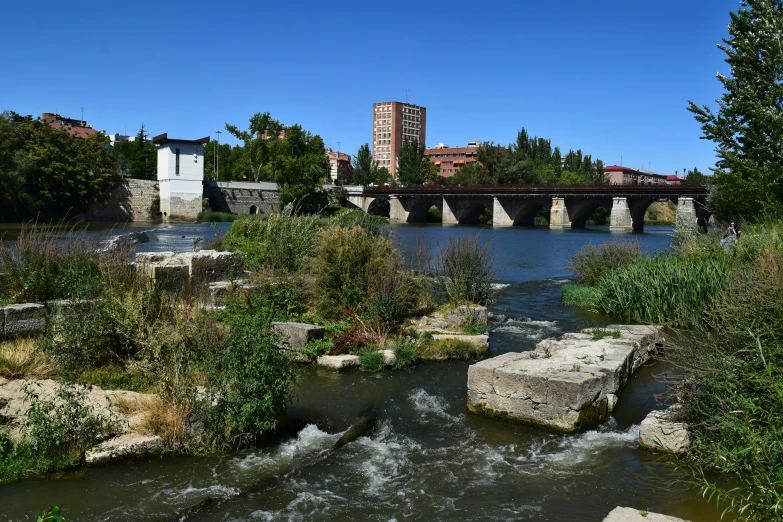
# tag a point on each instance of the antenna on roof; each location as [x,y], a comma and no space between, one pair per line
[82,115]
[406,95]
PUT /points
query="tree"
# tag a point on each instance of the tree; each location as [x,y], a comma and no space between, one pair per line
[468,174]
[493,159]
[409,163]
[696,176]
[365,171]
[261,135]
[429,171]
[382,176]
[748,125]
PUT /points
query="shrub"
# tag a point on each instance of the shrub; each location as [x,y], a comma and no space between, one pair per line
[467,270]
[391,295]
[581,296]
[371,360]
[591,262]
[341,268]
[441,349]
[249,384]
[318,347]
[48,263]
[208,216]
[405,354]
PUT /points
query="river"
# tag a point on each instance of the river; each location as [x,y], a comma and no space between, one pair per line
[428,459]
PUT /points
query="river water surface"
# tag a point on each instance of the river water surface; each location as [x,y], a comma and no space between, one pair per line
[427,459]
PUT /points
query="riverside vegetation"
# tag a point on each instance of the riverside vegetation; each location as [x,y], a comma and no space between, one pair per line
[218,377]
[728,366]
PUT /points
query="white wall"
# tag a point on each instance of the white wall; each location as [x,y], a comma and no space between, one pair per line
[180,194]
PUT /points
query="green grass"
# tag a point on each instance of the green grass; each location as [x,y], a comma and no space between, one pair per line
[473,327]
[580,296]
[443,349]
[371,360]
[405,354]
[601,333]
[113,377]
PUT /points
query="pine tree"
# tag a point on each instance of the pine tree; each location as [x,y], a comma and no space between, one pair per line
[364,170]
[748,126]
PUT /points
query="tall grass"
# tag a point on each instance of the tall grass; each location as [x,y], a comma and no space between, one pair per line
[593,262]
[467,271]
[48,261]
[287,242]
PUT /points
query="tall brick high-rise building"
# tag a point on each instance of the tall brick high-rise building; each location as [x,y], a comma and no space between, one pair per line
[392,123]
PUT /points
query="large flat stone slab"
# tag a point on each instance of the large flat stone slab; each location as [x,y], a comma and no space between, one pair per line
[338,362]
[624,514]
[570,384]
[23,319]
[128,445]
[659,433]
[297,335]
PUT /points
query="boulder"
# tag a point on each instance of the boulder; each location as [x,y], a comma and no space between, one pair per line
[125,446]
[563,384]
[23,319]
[658,432]
[338,362]
[476,313]
[297,335]
[389,359]
[624,514]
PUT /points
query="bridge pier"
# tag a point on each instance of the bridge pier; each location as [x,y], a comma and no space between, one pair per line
[691,215]
[620,219]
[500,217]
[558,216]
[397,212]
[448,214]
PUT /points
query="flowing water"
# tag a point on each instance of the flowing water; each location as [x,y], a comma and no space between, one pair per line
[427,459]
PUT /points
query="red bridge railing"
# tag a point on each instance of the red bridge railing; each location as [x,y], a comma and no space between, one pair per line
[685,190]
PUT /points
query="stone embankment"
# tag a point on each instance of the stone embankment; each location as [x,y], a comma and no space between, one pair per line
[659,432]
[624,514]
[570,384]
[126,442]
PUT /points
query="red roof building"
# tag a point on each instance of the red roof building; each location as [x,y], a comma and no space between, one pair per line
[627,176]
[450,159]
[78,128]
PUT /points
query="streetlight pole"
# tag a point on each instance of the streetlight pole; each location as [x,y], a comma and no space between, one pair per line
[217,157]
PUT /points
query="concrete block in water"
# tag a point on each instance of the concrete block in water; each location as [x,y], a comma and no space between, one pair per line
[208,266]
[658,432]
[338,362]
[124,446]
[297,335]
[566,384]
[23,319]
[624,514]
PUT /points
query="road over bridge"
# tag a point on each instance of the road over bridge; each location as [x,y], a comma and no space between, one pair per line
[517,205]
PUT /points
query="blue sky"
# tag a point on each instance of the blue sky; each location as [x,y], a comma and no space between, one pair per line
[611,77]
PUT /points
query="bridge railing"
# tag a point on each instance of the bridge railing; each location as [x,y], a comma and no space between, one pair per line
[686,190]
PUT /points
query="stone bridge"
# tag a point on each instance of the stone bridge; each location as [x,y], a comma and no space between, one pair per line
[517,205]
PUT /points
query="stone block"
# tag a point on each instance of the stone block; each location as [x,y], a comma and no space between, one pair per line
[297,335]
[125,446]
[658,432]
[208,266]
[23,319]
[389,359]
[338,362]
[154,257]
[624,514]
[569,384]
[171,276]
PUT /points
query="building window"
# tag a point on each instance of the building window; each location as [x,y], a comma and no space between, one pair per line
[177,152]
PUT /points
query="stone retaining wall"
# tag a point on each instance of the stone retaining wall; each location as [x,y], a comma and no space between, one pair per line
[571,384]
[131,200]
[238,197]
[26,319]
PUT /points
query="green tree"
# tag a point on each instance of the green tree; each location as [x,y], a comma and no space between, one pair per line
[468,174]
[494,159]
[429,171]
[365,171]
[382,176]
[409,163]
[748,126]
[696,176]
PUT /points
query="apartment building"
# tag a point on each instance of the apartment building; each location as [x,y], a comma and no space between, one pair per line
[450,159]
[78,128]
[619,175]
[340,169]
[392,124]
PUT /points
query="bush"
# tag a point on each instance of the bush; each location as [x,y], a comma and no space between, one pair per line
[581,296]
[442,349]
[371,360]
[392,295]
[467,270]
[249,384]
[49,262]
[591,263]
[405,354]
[287,242]
[208,216]
[341,268]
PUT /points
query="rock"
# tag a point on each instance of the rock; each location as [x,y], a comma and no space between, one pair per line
[611,401]
[563,384]
[478,340]
[623,514]
[455,319]
[297,335]
[658,432]
[23,319]
[438,324]
[153,257]
[389,359]
[338,362]
[124,446]
[208,266]
[477,313]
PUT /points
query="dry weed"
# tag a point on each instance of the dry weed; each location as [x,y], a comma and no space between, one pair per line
[19,358]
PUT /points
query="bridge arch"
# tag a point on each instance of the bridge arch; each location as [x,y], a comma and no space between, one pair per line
[579,211]
[379,206]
